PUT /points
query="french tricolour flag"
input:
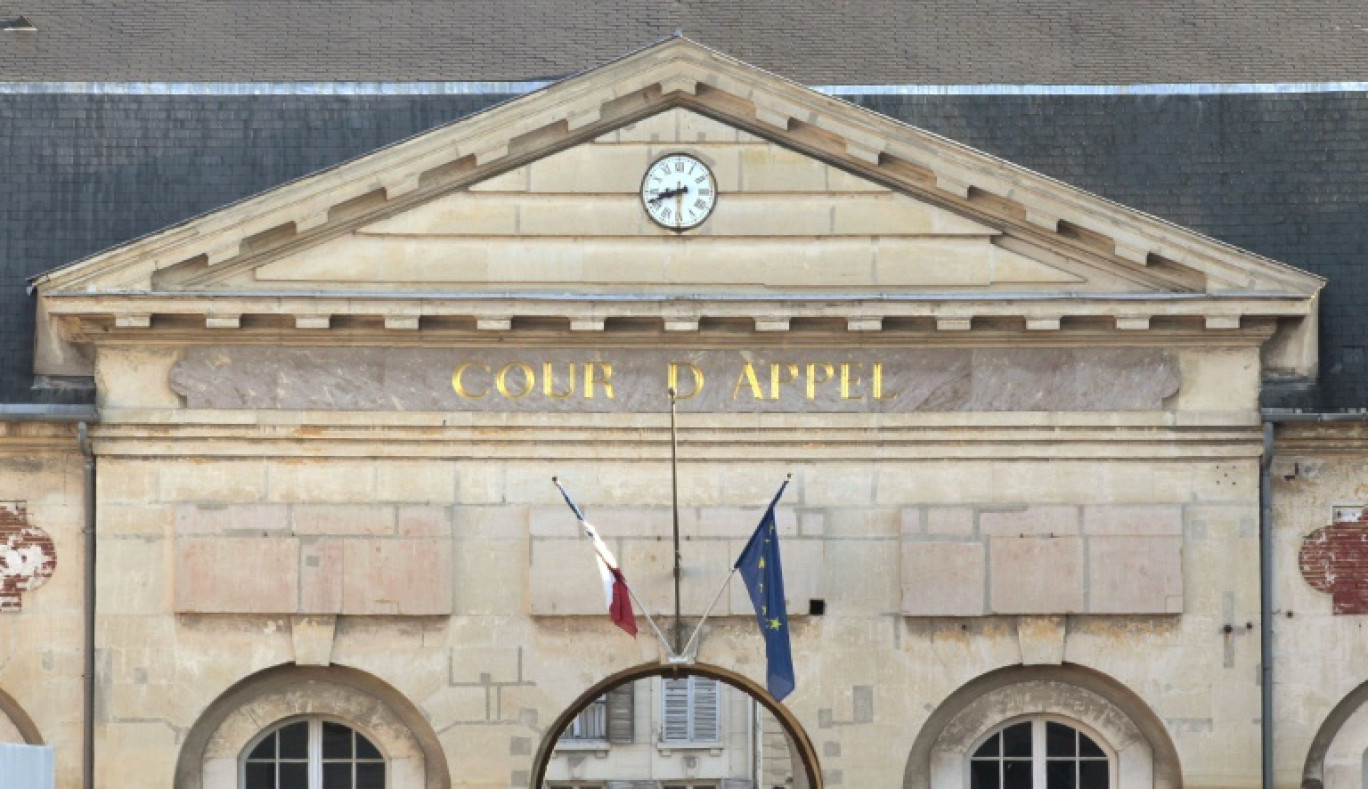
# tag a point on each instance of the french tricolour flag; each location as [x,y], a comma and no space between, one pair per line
[615,591]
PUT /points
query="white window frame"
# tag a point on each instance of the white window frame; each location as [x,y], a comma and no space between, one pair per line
[315,747]
[1038,758]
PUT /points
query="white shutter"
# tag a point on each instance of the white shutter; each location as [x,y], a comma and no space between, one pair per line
[707,709]
[676,709]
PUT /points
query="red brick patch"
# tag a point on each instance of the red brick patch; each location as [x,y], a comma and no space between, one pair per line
[27,555]
[1334,559]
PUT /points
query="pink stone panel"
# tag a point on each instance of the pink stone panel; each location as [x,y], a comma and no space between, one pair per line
[424,521]
[1041,521]
[344,519]
[1036,575]
[206,519]
[942,578]
[1137,519]
[237,575]
[404,577]
[1135,575]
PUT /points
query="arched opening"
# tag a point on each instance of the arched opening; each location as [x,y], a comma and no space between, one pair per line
[226,738]
[15,724]
[685,722]
[1139,752]
[1338,756]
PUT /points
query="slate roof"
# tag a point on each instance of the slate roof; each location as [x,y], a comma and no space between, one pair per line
[826,42]
[1282,175]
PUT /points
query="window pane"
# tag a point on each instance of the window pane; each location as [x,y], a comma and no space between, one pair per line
[1016,740]
[260,776]
[983,775]
[1016,775]
[1059,740]
[294,775]
[989,748]
[337,776]
[337,741]
[1093,775]
[294,741]
[1060,775]
[370,776]
[265,749]
[364,749]
[1086,747]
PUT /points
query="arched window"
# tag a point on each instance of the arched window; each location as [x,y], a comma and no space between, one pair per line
[312,753]
[1039,753]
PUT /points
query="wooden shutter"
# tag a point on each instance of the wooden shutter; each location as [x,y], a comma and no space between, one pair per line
[707,709]
[675,727]
[620,714]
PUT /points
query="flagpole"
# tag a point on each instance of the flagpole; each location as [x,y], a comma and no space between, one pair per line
[699,628]
[663,642]
[674,497]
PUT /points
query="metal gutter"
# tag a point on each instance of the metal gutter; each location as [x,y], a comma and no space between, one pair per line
[88,691]
[1266,606]
[36,412]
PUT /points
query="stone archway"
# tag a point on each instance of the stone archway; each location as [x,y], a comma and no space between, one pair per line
[804,756]
[1337,753]
[15,724]
[1147,757]
[212,749]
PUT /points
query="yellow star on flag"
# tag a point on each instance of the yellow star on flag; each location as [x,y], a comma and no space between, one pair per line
[774,624]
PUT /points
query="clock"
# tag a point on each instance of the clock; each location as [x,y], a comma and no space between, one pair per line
[678,192]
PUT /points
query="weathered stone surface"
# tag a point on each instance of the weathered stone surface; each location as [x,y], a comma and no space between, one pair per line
[1036,575]
[942,578]
[634,380]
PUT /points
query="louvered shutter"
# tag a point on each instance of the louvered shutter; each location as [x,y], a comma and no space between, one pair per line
[620,714]
[707,709]
[676,709]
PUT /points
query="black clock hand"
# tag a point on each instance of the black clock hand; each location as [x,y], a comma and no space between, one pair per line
[668,193]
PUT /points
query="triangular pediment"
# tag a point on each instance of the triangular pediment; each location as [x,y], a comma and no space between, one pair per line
[824,210]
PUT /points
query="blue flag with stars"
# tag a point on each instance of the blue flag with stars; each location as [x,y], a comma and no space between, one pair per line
[764,575]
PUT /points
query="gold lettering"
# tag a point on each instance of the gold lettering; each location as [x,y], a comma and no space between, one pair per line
[529,380]
[747,376]
[775,383]
[549,382]
[674,380]
[459,386]
[878,384]
[590,379]
[813,380]
[848,380]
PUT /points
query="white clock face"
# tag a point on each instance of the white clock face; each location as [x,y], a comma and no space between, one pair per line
[678,192]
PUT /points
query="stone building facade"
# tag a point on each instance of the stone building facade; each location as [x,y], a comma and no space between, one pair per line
[1023,426]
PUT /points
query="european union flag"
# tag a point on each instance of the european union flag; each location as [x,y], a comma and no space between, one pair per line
[764,575]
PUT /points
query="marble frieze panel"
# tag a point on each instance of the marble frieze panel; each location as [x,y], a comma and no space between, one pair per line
[626,380]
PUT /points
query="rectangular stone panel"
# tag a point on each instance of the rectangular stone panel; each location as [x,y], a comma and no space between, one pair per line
[237,575]
[1036,575]
[630,380]
[403,577]
[1136,519]
[1135,575]
[942,578]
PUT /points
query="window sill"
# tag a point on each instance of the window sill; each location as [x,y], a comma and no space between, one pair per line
[598,747]
[713,748]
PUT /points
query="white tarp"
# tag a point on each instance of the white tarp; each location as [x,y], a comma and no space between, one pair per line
[27,766]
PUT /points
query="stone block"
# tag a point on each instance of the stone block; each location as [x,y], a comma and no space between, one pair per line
[319,481]
[950,521]
[694,128]
[207,519]
[248,575]
[769,168]
[134,519]
[934,483]
[593,169]
[833,485]
[804,577]
[142,585]
[1135,575]
[403,577]
[1037,521]
[479,483]
[1041,639]
[415,482]
[131,481]
[343,519]
[564,581]
[734,522]
[187,479]
[502,523]
[312,638]
[483,665]
[862,577]
[649,567]
[863,522]
[320,575]
[942,578]
[424,521]
[1035,575]
[491,577]
[1133,519]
